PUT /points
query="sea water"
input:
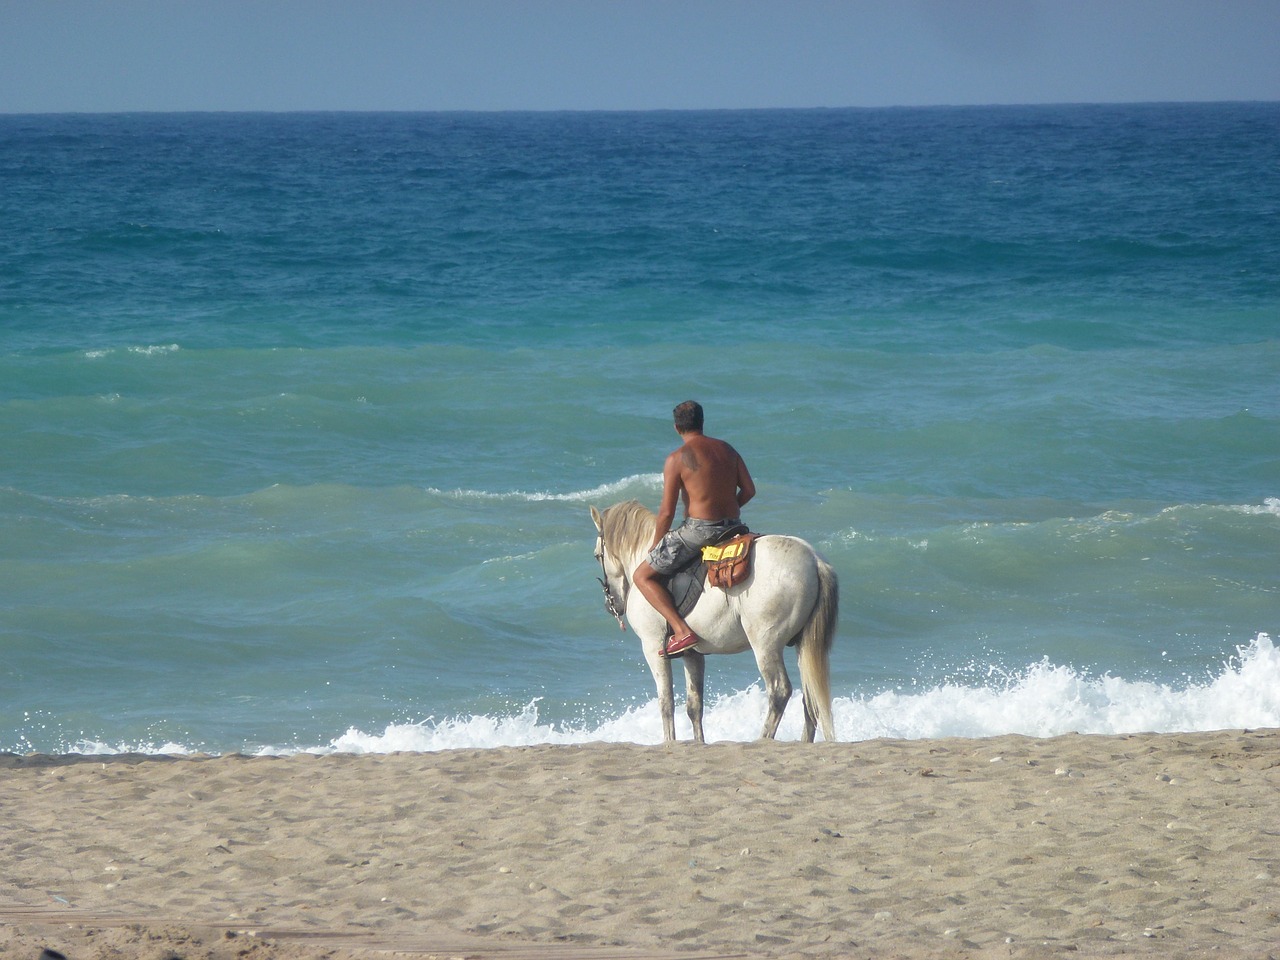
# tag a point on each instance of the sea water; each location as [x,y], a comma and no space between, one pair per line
[302,416]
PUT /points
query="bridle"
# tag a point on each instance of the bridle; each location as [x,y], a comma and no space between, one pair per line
[611,603]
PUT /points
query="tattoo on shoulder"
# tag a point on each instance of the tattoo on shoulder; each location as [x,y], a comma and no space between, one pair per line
[688,459]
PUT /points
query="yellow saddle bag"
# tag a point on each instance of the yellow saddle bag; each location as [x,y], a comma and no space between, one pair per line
[729,563]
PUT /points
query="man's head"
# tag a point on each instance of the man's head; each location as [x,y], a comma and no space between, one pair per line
[688,417]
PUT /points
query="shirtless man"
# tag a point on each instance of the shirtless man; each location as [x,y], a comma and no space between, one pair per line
[710,478]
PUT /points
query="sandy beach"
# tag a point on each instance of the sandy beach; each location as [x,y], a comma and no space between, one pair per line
[1156,845]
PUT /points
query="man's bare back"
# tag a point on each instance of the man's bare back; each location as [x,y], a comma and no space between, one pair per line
[709,474]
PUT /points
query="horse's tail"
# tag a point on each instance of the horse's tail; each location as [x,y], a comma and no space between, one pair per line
[813,650]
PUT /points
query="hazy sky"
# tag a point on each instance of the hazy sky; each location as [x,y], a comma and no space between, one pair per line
[110,55]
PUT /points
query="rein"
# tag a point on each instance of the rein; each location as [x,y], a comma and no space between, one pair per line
[610,602]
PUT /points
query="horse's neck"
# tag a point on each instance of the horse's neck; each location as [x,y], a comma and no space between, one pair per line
[632,555]
[631,559]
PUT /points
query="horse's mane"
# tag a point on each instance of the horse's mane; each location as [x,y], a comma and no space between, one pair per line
[627,527]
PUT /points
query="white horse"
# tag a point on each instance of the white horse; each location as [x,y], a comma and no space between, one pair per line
[790,598]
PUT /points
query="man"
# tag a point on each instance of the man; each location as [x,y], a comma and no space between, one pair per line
[710,478]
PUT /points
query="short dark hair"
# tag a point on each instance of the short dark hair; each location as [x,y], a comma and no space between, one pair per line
[688,416]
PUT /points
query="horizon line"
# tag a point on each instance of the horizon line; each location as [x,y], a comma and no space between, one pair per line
[627,110]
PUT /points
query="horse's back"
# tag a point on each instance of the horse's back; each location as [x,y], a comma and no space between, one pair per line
[779,554]
[784,577]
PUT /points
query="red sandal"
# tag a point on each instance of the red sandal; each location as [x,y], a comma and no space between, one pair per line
[673,648]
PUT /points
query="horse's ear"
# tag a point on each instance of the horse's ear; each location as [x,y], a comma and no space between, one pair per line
[599,520]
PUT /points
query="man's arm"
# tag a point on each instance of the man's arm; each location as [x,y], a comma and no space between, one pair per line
[746,486]
[671,487]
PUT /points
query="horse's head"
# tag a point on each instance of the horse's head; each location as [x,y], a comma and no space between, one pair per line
[613,577]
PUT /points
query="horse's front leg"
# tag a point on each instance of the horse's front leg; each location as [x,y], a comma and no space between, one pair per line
[660,667]
[694,675]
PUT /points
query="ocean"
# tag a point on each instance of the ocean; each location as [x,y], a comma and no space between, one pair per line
[302,415]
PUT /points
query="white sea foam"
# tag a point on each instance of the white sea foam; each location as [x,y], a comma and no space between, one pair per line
[592,495]
[145,351]
[96,748]
[1048,700]
[156,349]
[1271,505]
[1044,700]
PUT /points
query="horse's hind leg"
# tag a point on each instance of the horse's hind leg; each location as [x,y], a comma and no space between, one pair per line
[694,674]
[777,687]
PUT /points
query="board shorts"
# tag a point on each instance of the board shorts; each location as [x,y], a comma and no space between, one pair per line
[681,545]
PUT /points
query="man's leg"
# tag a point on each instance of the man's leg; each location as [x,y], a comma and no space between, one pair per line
[648,582]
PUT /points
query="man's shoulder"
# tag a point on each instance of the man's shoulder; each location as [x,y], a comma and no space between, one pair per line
[723,445]
[701,439]
[697,448]
[679,458]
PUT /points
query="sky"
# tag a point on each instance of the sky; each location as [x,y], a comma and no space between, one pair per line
[278,55]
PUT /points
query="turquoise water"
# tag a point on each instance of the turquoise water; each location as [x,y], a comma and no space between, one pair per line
[302,415]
